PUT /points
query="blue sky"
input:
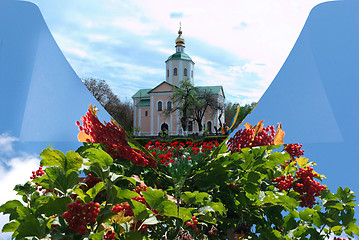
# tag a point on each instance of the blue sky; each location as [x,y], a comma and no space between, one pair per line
[238,44]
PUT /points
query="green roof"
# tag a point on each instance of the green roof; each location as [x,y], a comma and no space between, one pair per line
[212,89]
[179,55]
[143,103]
[142,93]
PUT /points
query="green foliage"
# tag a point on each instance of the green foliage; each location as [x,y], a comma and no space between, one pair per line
[230,110]
[207,198]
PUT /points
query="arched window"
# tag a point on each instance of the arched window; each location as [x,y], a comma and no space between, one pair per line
[169,105]
[159,106]
[146,113]
[185,72]
[168,73]
[175,72]
[192,74]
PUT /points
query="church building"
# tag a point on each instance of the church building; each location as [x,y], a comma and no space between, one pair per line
[150,104]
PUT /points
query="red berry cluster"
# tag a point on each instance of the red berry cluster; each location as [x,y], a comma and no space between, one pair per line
[307,186]
[113,137]
[36,174]
[284,183]
[123,207]
[294,150]
[304,184]
[193,223]
[110,235]
[78,215]
[128,210]
[245,138]
[91,181]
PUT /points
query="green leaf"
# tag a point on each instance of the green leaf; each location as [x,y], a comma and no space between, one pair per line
[300,230]
[289,222]
[9,206]
[100,171]
[54,206]
[31,227]
[254,177]
[10,227]
[279,157]
[288,202]
[154,197]
[73,161]
[125,194]
[184,214]
[62,182]
[97,236]
[353,228]
[306,214]
[218,207]
[347,216]
[317,221]
[139,210]
[167,208]
[92,192]
[98,155]
[337,230]
[195,197]
[52,157]
[205,209]
[133,236]
[150,221]
[25,189]
[302,161]
[115,177]
[334,204]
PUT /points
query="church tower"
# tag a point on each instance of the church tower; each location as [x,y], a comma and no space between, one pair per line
[179,65]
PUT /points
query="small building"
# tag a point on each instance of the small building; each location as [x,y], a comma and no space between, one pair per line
[150,117]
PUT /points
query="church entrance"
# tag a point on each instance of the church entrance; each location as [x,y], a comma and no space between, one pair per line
[164,127]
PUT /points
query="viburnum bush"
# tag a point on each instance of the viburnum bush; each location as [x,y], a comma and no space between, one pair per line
[251,186]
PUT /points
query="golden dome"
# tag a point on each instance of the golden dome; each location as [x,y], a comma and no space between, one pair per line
[180,39]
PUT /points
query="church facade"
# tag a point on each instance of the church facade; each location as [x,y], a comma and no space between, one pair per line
[151,104]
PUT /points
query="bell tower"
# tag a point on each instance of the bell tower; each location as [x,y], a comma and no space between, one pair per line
[179,66]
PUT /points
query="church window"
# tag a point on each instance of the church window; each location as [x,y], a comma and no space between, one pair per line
[175,72]
[168,73]
[146,113]
[192,73]
[159,106]
[169,105]
[185,72]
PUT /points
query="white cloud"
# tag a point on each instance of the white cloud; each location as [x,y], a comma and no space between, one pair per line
[98,37]
[6,146]
[16,171]
[134,25]
[257,31]
[154,42]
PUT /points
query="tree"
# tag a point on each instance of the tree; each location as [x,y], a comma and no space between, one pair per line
[193,102]
[122,112]
[184,97]
[231,109]
[204,100]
